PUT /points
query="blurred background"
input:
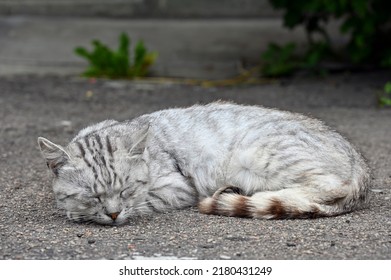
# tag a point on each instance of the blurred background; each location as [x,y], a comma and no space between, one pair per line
[193,38]
[198,39]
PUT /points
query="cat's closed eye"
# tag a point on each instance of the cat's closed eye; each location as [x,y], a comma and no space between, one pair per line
[127,192]
[141,181]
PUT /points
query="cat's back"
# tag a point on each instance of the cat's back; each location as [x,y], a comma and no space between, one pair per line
[219,124]
[216,117]
[214,125]
[218,111]
[222,120]
[218,128]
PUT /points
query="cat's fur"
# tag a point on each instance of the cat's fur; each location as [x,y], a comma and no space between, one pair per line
[232,160]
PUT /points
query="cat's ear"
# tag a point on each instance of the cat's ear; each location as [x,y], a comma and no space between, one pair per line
[139,140]
[55,155]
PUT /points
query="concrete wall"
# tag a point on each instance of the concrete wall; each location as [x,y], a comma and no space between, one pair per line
[141,8]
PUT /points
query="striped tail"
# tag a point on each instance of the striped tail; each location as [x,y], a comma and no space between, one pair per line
[281,204]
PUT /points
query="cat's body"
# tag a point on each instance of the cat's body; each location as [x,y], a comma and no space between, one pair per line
[233,160]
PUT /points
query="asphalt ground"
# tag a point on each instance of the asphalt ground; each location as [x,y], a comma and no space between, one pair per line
[58,106]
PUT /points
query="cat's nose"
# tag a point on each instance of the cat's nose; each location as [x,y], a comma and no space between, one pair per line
[113,216]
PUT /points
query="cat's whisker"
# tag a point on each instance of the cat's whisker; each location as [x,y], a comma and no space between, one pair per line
[81,217]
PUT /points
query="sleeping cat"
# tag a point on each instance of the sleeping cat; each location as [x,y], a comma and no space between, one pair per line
[234,160]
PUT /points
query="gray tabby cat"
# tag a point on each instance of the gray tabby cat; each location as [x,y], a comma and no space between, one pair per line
[232,160]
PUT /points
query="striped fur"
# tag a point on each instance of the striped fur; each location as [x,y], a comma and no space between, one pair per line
[232,160]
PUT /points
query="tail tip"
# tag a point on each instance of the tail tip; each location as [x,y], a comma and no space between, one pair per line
[207,205]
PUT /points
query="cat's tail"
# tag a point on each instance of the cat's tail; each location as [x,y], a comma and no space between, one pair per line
[281,204]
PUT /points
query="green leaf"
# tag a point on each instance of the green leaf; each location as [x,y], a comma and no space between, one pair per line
[278,60]
[82,52]
[123,48]
[105,62]
[387,87]
[385,101]
[315,54]
[360,7]
[139,53]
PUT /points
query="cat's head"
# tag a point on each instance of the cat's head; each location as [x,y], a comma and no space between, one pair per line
[99,179]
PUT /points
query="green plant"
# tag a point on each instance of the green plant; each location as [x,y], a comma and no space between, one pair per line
[385,99]
[104,62]
[282,60]
[367,22]
[279,60]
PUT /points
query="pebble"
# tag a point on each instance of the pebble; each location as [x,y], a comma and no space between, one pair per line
[225,257]
[66,123]
[377,190]
[207,246]
[115,84]
[122,256]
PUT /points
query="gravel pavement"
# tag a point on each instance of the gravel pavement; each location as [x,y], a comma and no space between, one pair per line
[57,107]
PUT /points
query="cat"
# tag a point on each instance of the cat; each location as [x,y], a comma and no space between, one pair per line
[233,160]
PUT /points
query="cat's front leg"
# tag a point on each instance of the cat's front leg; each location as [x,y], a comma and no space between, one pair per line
[171,192]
